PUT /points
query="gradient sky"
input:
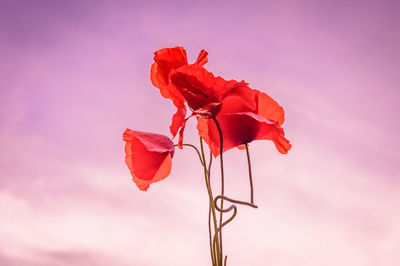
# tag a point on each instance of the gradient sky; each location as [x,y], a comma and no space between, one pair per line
[75,74]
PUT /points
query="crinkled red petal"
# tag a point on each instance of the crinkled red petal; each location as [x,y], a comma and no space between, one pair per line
[269,108]
[200,87]
[145,156]
[202,58]
[241,128]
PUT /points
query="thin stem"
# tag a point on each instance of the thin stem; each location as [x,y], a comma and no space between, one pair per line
[209,169]
[210,196]
[232,207]
[250,175]
[221,146]
[232,201]
[211,206]
[209,235]
[194,147]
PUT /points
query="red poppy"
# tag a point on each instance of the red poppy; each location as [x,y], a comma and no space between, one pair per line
[166,61]
[241,128]
[202,91]
[246,115]
[148,156]
[214,97]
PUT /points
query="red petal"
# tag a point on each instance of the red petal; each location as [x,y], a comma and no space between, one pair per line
[208,111]
[242,147]
[240,99]
[180,142]
[166,59]
[199,87]
[177,120]
[163,172]
[241,128]
[202,58]
[145,156]
[269,108]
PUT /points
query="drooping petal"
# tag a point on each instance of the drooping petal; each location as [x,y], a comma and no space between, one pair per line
[165,61]
[269,108]
[147,156]
[241,128]
[177,120]
[180,141]
[152,142]
[163,172]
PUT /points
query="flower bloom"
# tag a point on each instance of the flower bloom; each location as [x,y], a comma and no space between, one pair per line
[148,156]
[165,62]
[239,129]
[246,115]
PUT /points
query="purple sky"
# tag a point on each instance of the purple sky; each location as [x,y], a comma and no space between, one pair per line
[75,74]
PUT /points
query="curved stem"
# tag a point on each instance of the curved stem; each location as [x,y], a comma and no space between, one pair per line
[250,175]
[232,201]
[232,207]
[194,147]
[221,146]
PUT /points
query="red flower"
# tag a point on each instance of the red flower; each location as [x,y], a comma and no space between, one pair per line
[202,91]
[148,157]
[166,61]
[241,128]
[246,115]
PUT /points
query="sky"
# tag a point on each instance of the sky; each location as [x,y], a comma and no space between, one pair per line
[76,74]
